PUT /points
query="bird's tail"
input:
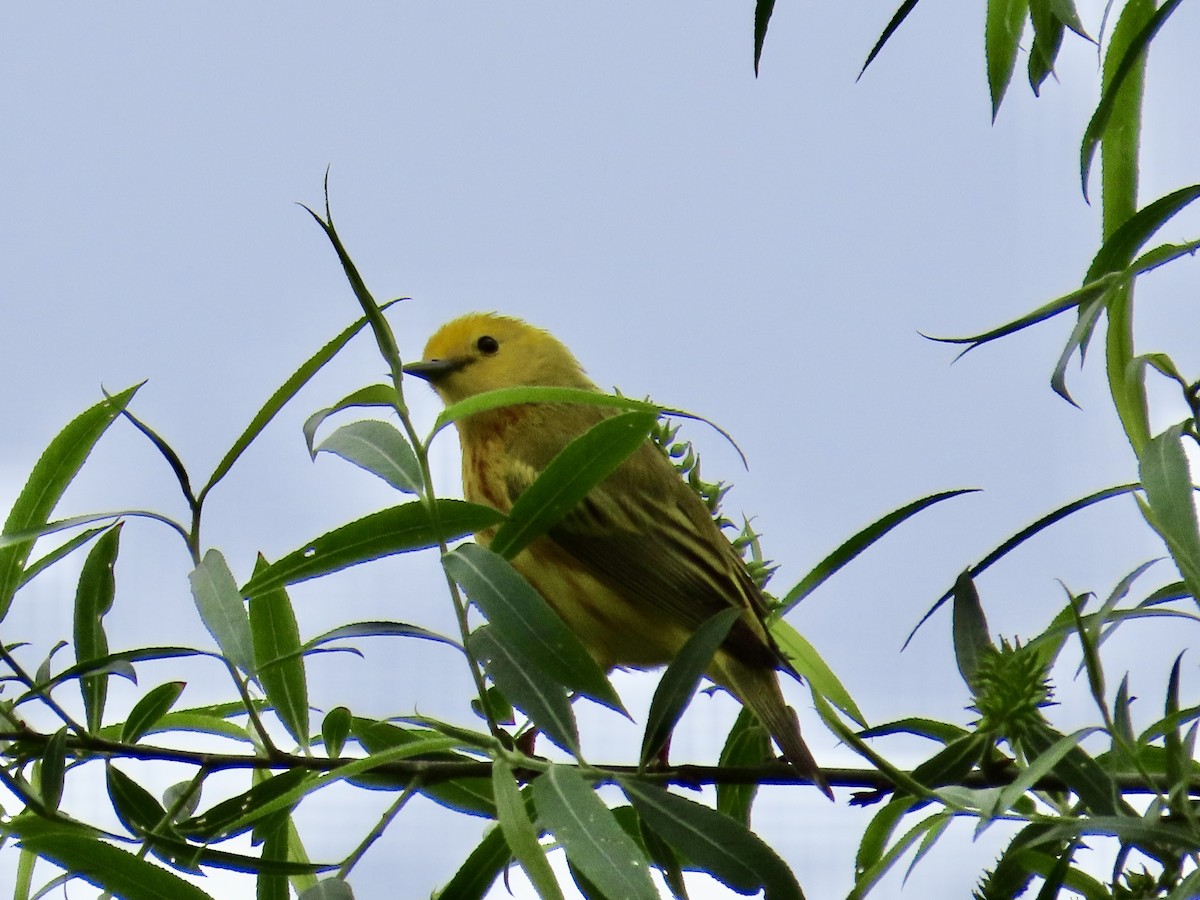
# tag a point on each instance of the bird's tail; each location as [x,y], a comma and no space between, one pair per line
[758,688]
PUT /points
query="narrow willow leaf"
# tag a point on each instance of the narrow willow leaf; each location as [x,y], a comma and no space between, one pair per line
[374,395]
[1131,56]
[148,711]
[748,744]
[928,728]
[467,795]
[525,684]
[106,867]
[222,609]
[1167,480]
[569,808]
[1119,249]
[379,629]
[1094,786]
[274,839]
[335,728]
[167,452]
[236,815]
[1042,765]
[389,531]
[53,768]
[328,889]
[663,857]
[868,877]
[1022,536]
[971,638]
[804,658]
[568,478]
[93,600]
[860,542]
[894,23]
[879,831]
[762,19]
[279,399]
[527,624]
[680,680]
[138,809]
[54,470]
[32,570]
[1002,36]
[517,395]
[1129,828]
[1122,723]
[520,833]
[1047,39]
[277,657]
[347,772]
[480,869]
[953,762]
[181,799]
[1064,10]
[118,663]
[733,854]
[380,449]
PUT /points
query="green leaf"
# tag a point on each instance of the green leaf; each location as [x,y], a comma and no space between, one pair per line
[663,857]
[380,449]
[54,470]
[117,663]
[480,870]
[468,795]
[894,23]
[1039,767]
[1117,253]
[520,833]
[1082,774]
[138,809]
[279,399]
[568,478]
[733,854]
[762,18]
[1131,53]
[866,877]
[328,889]
[272,886]
[526,686]
[222,609]
[335,728]
[526,623]
[395,530]
[1005,22]
[748,744]
[149,711]
[53,768]
[680,680]
[32,570]
[858,543]
[804,658]
[608,857]
[1047,39]
[93,600]
[374,395]
[1022,536]
[379,629]
[1163,467]
[102,865]
[277,658]
[971,638]
[239,814]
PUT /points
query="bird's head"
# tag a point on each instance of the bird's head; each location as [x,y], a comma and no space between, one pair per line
[483,352]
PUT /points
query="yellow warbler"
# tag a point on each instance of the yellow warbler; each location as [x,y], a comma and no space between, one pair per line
[639,564]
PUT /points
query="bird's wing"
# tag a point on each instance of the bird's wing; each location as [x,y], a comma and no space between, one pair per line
[648,537]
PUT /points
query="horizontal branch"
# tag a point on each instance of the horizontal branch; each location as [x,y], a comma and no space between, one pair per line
[436,771]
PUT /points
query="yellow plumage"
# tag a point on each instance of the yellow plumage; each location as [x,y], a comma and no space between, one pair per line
[639,564]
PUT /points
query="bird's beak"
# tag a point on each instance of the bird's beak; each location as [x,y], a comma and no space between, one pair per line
[433,370]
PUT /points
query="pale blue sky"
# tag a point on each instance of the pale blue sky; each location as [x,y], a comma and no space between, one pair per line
[759,251]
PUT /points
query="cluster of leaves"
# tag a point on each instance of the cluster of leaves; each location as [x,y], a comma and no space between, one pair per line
[523,656]
[1010,765]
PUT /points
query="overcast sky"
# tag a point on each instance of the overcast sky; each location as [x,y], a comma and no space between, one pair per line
[762,252]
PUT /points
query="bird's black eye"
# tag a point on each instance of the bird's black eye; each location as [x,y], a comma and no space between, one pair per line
[487,344]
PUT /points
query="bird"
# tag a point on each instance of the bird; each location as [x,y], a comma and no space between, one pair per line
[639,564]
